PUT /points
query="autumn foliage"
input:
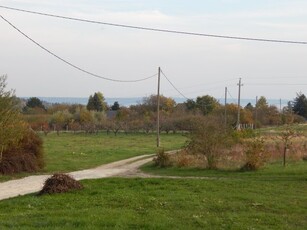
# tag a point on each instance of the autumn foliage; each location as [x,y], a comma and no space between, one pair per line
[25,156]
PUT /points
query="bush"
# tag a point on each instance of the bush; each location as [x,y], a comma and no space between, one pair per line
[243,134]
[60,183]
[162,159]
[25,156]
[256,156]
[210,139]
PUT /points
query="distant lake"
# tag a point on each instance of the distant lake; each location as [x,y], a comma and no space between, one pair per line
[135,100]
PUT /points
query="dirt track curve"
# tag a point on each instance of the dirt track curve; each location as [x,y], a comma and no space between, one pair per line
[31,184]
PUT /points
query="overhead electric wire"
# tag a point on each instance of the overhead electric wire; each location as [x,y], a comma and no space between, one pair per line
[158,29]
[174,86]
[275,84]
[230,94]
[73,65]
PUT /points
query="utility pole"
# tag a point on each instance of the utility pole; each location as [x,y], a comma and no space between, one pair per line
[280,111]
[256,115]
[158,109]
[225,108]
[239,107]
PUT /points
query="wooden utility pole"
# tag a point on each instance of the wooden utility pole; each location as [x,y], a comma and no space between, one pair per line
[239,107]
[256,111]
[280,111]
[225,108]
[158,109]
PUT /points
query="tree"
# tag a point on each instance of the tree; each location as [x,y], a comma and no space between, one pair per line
[300,105]
[61,119]
[34,102]
[12,127]
[206,104]
[115,106]
[262,110]
[167,104]
[262,103]
[190,104]
[249,107]
[97,102]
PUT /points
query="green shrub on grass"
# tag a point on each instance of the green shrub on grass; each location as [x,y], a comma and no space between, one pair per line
[256,155]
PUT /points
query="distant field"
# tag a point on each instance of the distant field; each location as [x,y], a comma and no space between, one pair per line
[269,199]
[70,152]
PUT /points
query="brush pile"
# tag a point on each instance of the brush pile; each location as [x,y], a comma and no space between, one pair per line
[60,183]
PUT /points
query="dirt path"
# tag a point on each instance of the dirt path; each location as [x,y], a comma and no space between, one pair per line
[33,184]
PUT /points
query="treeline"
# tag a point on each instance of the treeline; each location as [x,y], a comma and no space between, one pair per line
[97,115]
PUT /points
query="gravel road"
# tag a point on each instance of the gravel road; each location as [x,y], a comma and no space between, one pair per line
[33,184]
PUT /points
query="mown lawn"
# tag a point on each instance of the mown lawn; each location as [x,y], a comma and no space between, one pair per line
[271,198]
[121,203]
[69,152]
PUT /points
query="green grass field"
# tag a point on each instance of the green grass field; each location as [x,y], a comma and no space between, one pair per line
[121,203]
[271,198]
[69,152]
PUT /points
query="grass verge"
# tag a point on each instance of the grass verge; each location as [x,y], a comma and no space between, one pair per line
[295,170]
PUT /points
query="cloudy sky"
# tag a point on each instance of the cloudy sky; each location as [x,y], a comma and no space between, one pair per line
[195,65]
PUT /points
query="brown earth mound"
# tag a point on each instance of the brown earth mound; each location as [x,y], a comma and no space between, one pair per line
[60,183]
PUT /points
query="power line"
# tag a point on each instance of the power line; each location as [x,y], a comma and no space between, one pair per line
[73,65]
[174,85]
[157,29]
[274,84]
[230,94]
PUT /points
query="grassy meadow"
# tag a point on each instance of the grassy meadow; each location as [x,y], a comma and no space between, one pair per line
[70,152]
[220,202]
[274,197]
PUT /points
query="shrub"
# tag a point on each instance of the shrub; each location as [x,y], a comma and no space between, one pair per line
[60,183]
[162,159]
[210,139]
[25,156]
[243,134]
[184,159]
[256,156]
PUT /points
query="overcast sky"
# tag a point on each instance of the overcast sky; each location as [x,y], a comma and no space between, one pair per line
[195,65]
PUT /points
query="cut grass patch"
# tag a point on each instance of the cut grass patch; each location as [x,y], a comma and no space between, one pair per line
[117,203]
[70,152]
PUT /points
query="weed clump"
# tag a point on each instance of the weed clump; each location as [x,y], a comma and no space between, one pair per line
[162,159]
[60,183]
